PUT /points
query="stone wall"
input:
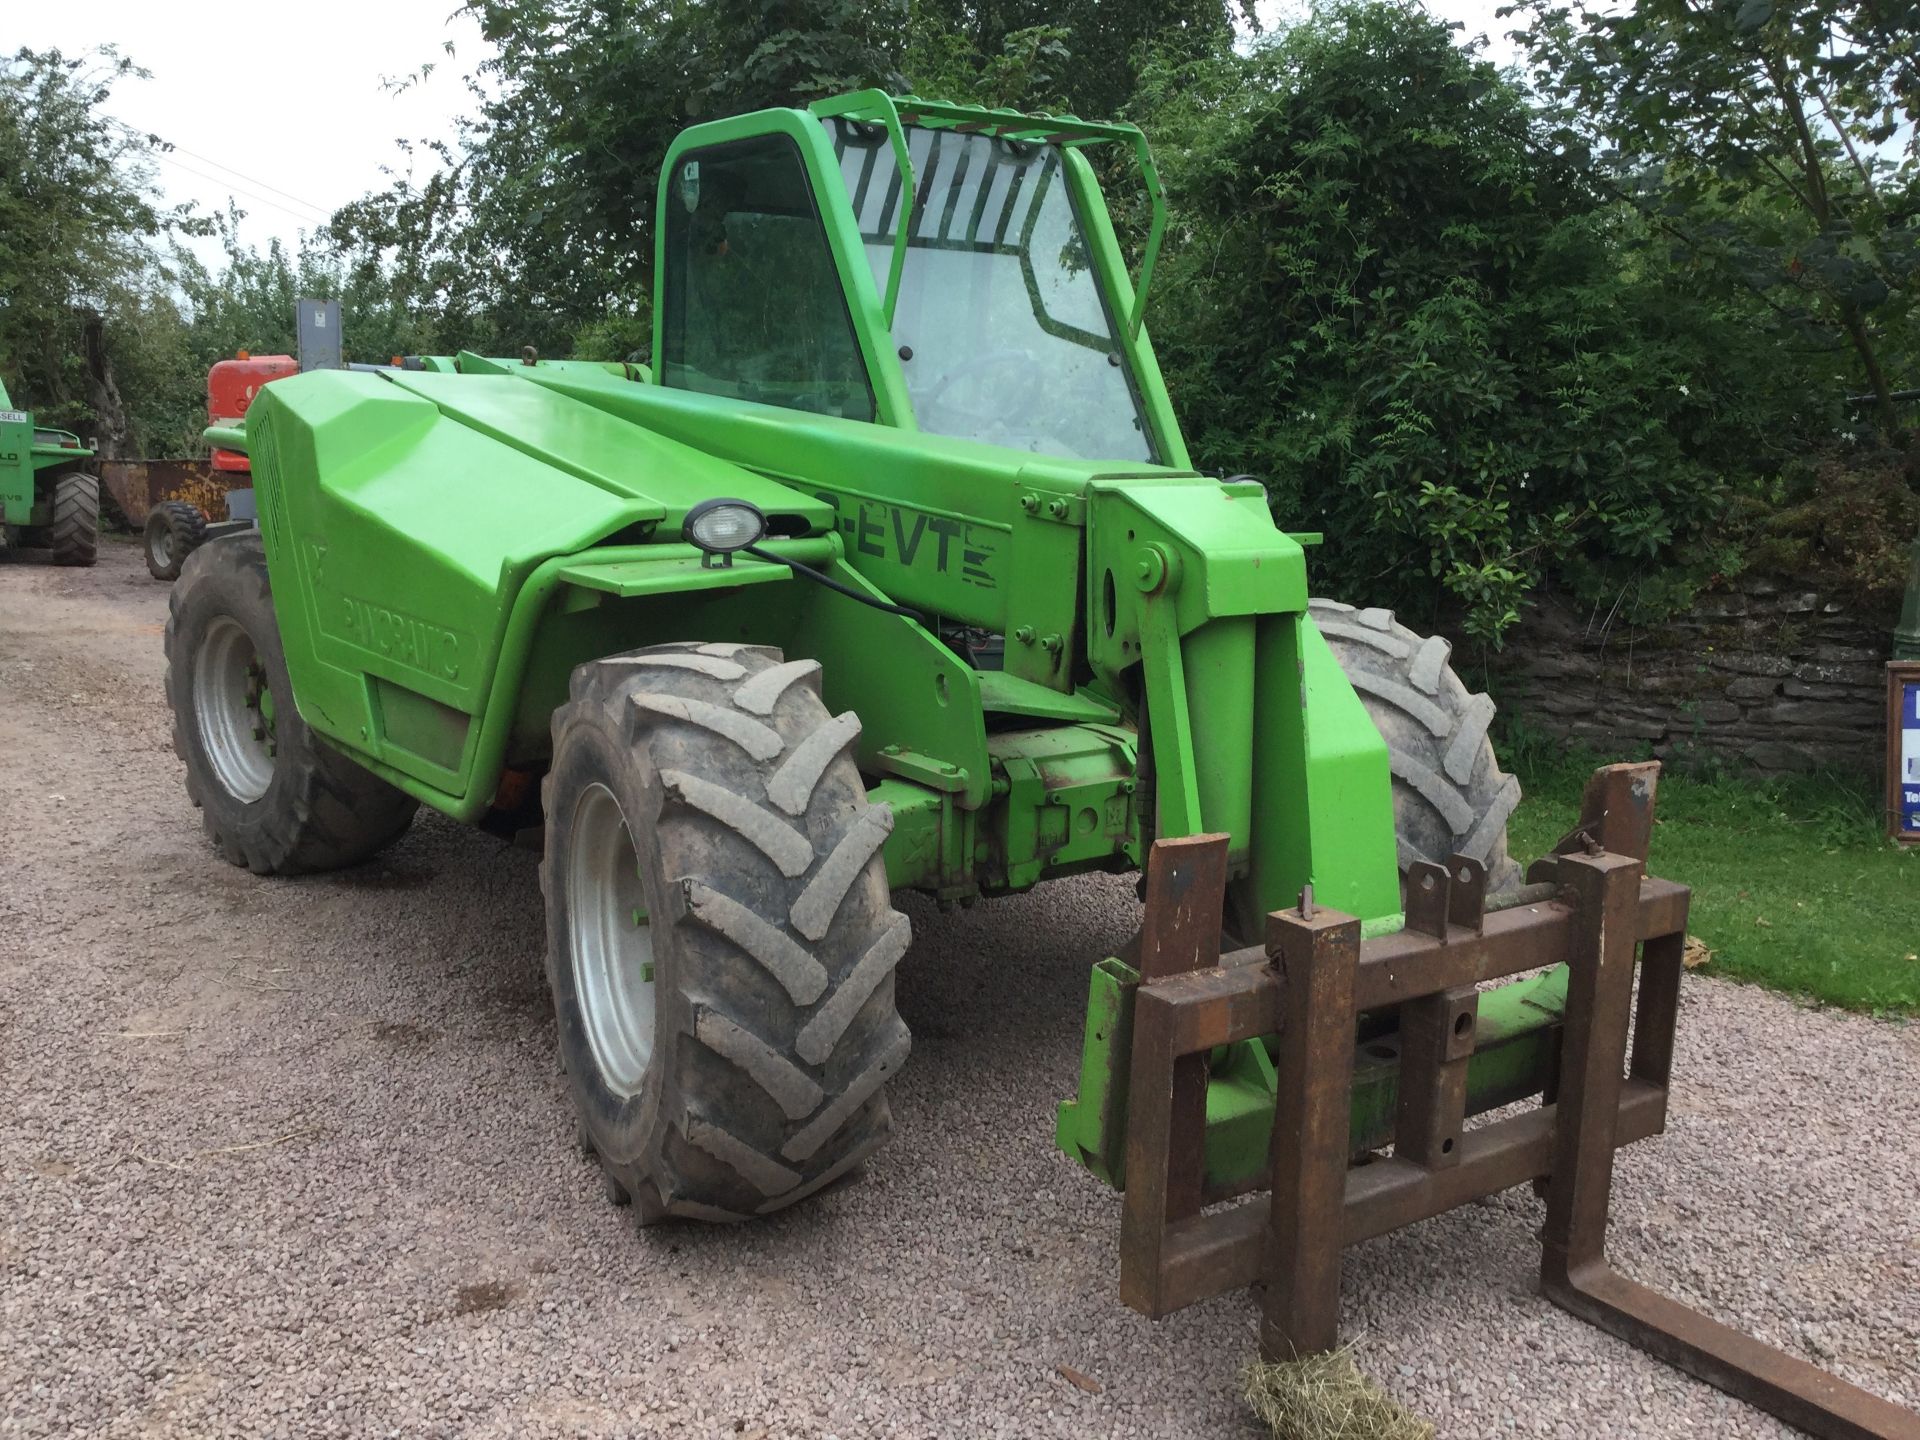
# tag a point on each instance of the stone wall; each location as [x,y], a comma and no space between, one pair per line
[1766,673]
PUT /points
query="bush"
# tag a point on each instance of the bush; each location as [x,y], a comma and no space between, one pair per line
[1845,520]
[1432,337]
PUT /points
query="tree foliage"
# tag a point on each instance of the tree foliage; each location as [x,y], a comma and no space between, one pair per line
[1480,335]
[1430,339]
[1777,138]
[1083,57]
[78,218]
[537,227]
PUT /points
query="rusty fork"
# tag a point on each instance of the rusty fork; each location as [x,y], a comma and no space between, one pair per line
[1605,913]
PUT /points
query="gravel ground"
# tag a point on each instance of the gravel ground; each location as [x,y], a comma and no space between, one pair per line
[294,1157]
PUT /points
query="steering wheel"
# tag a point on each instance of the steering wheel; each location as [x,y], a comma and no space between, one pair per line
[977,423]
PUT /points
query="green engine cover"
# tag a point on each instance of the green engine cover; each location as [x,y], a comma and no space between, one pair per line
[404,512]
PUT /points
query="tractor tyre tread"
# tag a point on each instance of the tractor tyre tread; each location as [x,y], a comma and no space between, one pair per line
[74,534]
[184,526]
[774,935]
[1449,794]
[322,810]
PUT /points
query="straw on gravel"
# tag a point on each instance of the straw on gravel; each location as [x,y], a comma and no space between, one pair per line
[1326,1397]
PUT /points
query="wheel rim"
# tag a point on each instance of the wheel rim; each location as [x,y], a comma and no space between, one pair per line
[611,941]
[232,707]
[159,546]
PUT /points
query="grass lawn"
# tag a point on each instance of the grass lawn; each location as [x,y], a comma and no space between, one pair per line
[1793,884]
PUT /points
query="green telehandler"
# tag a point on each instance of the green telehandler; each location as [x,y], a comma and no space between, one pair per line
[891,572]
[45,501]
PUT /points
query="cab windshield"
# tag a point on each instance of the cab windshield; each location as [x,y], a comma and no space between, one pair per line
[1003,332]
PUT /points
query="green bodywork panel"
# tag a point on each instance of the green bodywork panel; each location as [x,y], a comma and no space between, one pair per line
[29,452]
[1254,730]
[424,531]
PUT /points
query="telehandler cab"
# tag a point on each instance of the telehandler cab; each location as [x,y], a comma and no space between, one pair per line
[891,571]
[562,591]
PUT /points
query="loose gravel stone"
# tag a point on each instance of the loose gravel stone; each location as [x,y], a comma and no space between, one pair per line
[295,1157]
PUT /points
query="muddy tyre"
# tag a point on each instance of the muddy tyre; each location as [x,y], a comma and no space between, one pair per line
[74,534]
[273,795]
[720,941]
[1450,796]
[175,529]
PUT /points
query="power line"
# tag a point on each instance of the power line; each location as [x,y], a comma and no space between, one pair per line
[261,184]
[317,217]
[167,154]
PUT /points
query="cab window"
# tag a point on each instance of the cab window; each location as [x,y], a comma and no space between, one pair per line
[1004,332]
[753,307]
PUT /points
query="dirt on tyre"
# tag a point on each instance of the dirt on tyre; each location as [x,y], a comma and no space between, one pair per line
[175,529]
[721,942]
[74,533]
[273,795]
[1450,796]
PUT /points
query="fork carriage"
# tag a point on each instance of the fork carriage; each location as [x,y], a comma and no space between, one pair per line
[1316,985]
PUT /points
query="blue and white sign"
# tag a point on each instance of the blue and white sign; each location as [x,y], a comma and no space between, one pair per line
[1910,755]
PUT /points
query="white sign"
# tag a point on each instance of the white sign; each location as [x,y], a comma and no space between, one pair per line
[1910,756]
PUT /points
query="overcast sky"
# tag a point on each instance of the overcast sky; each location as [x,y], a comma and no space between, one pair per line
[278,104]
[282,106]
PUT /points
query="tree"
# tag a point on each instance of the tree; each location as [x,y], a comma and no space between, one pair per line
[536,227]
[1080,56]
[1432,339]
[1785,128]
[78,213]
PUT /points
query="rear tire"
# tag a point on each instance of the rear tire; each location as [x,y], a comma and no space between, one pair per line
[1450,796]
[175,529]
[721,943]
[273,795]
[74,535]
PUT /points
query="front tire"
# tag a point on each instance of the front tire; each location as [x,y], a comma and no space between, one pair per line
[74,535]
[1450,796]
[721,943]
[175,529]
[273,795]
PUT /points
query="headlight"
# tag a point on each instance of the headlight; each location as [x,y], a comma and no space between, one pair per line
[721,527]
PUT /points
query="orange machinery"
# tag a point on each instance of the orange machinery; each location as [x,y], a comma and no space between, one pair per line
[231,386]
